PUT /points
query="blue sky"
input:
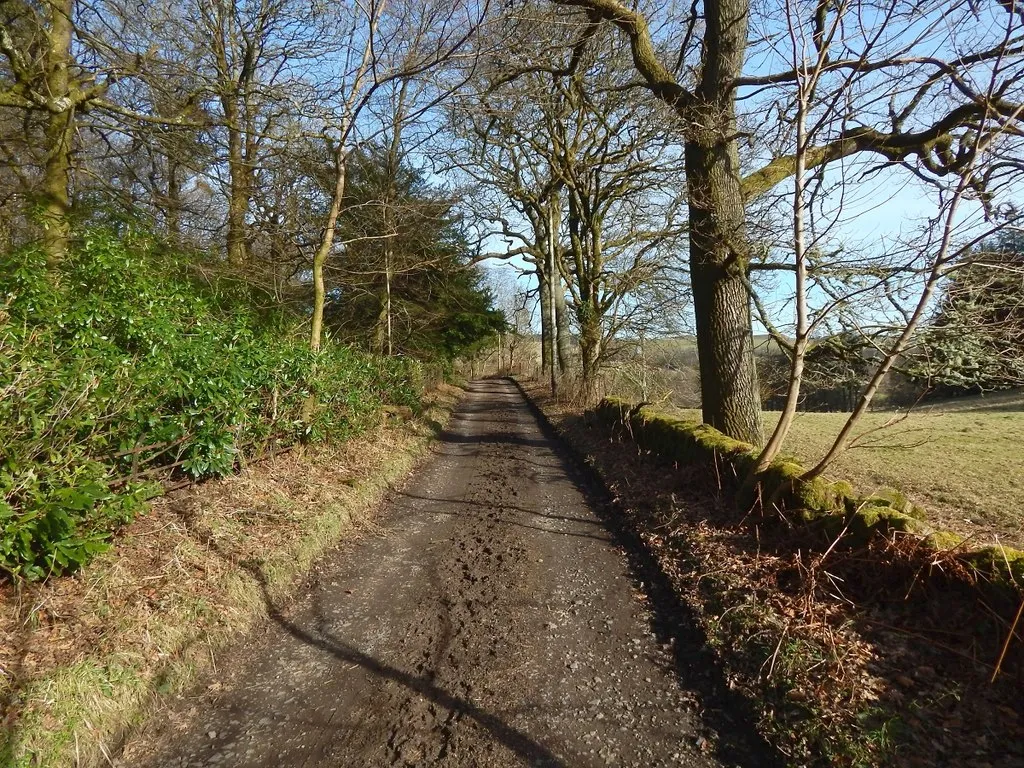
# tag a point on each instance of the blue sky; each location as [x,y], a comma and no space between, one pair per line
[888,208]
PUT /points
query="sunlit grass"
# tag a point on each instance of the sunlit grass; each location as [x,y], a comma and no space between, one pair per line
[962,459]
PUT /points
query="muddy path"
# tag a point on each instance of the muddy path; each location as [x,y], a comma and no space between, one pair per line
[495,621]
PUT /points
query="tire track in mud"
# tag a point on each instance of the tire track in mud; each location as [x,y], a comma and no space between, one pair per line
[494,623]
[468,635]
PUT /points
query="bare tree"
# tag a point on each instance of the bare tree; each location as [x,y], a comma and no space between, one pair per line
[515,198]
[591,189]
[913,71]
[401,40]
[622,216]
[250,52]
[513,301]
[881,298]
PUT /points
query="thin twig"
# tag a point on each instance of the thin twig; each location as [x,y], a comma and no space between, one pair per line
[775,655]
[1006,645]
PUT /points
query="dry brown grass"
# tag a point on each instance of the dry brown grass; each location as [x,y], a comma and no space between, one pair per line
[82,656]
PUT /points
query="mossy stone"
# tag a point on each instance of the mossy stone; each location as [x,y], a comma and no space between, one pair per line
[943,541]
[822,495]
[889,497]
[999,564]
[844,489]
[877,519]
[831,505]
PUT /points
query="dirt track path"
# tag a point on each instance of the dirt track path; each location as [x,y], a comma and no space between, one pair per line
[494,623]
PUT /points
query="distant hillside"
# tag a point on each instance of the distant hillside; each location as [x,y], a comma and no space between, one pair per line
[1010,400]
[677,350]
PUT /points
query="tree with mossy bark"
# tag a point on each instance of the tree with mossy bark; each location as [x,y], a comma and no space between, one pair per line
[914,79]
[42,81]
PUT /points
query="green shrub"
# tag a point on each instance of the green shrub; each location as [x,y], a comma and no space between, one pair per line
[130,360]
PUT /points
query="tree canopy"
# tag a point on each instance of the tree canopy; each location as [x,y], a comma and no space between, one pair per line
[975,340]
[642,159]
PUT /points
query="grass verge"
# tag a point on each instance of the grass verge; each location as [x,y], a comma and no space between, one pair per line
[83,657]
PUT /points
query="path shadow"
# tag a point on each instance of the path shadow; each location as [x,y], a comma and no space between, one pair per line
[513,739]
[673,622]
[490,438]
[506,521]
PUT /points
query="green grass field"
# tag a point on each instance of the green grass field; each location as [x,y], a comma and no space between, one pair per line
[962,459]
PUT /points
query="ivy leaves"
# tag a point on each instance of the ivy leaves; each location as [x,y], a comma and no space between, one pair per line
[123,369]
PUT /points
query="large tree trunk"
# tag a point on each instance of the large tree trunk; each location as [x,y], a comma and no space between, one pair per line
[562,336]
[53,198]
[238,191]
[730,398]
[718,248]
[719,251]
[590,354]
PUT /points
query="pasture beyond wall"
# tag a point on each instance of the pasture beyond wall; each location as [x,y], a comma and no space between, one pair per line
[835,510]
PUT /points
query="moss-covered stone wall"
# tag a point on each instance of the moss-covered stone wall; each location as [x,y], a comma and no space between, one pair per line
[830,506]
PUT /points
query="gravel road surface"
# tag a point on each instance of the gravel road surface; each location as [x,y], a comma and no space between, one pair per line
[495,621]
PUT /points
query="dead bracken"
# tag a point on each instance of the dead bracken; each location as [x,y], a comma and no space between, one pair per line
[852,655]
